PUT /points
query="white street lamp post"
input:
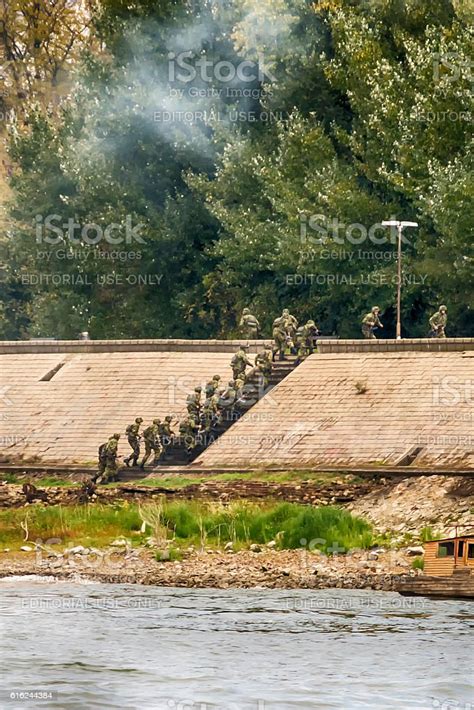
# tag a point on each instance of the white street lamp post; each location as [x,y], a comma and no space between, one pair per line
[399,225]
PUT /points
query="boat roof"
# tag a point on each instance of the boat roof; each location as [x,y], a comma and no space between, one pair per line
[466,536]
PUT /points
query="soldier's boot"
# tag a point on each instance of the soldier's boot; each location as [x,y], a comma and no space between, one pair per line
[127,462]
[281,355]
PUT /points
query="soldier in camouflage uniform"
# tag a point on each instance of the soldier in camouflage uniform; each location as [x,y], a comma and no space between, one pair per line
[212,386]
[438,322]
[193,404]
[306,340]
[187,432]
[291,324]
[101,462]
[370,322]
[165,433]
[280,338]
[152,442]
[228,398]
[240,362]
[240,393]
[249,325]
[209,413]
[133,438]
[264,363]
[108,460]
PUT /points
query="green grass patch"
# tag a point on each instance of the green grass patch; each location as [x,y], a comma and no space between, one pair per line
[265,476]
[289,524]
[49,482]
[418,563]
[183,523]
[427,533]
[9,477]
[88,525]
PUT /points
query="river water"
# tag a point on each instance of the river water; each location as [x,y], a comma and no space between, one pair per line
[87,645]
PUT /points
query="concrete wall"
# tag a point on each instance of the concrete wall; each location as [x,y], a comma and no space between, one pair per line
[317,417]
[19,347]
[314,416]
[91,396]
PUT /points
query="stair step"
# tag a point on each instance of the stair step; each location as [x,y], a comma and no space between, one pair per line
[177,455]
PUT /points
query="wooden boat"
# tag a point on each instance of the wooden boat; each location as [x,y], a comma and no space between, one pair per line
[448,570]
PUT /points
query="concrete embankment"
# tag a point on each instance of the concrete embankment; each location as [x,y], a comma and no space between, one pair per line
[354,403]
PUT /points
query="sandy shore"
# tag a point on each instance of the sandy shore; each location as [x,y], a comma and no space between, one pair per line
[287,569]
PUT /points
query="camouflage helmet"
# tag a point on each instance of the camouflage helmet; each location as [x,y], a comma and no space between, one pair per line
[116,436]
[198,389]
[138,420]
[311,322]
[216,377]
[168,418]
[156,421]
[443,308]
[267,347]
[375,308]
[246,311]
[285,311]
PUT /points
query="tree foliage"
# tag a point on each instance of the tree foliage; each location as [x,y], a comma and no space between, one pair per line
[262,192]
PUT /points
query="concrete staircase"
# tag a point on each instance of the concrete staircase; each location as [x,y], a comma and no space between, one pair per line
[176,454]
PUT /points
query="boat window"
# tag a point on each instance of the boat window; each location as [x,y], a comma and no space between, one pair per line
[470,551]
[460,548]
[446,549]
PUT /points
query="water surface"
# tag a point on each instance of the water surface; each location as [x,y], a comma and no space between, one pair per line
[130,646]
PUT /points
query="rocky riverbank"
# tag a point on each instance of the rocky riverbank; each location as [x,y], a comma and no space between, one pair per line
[258,567]
[405,507]
[332,492]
